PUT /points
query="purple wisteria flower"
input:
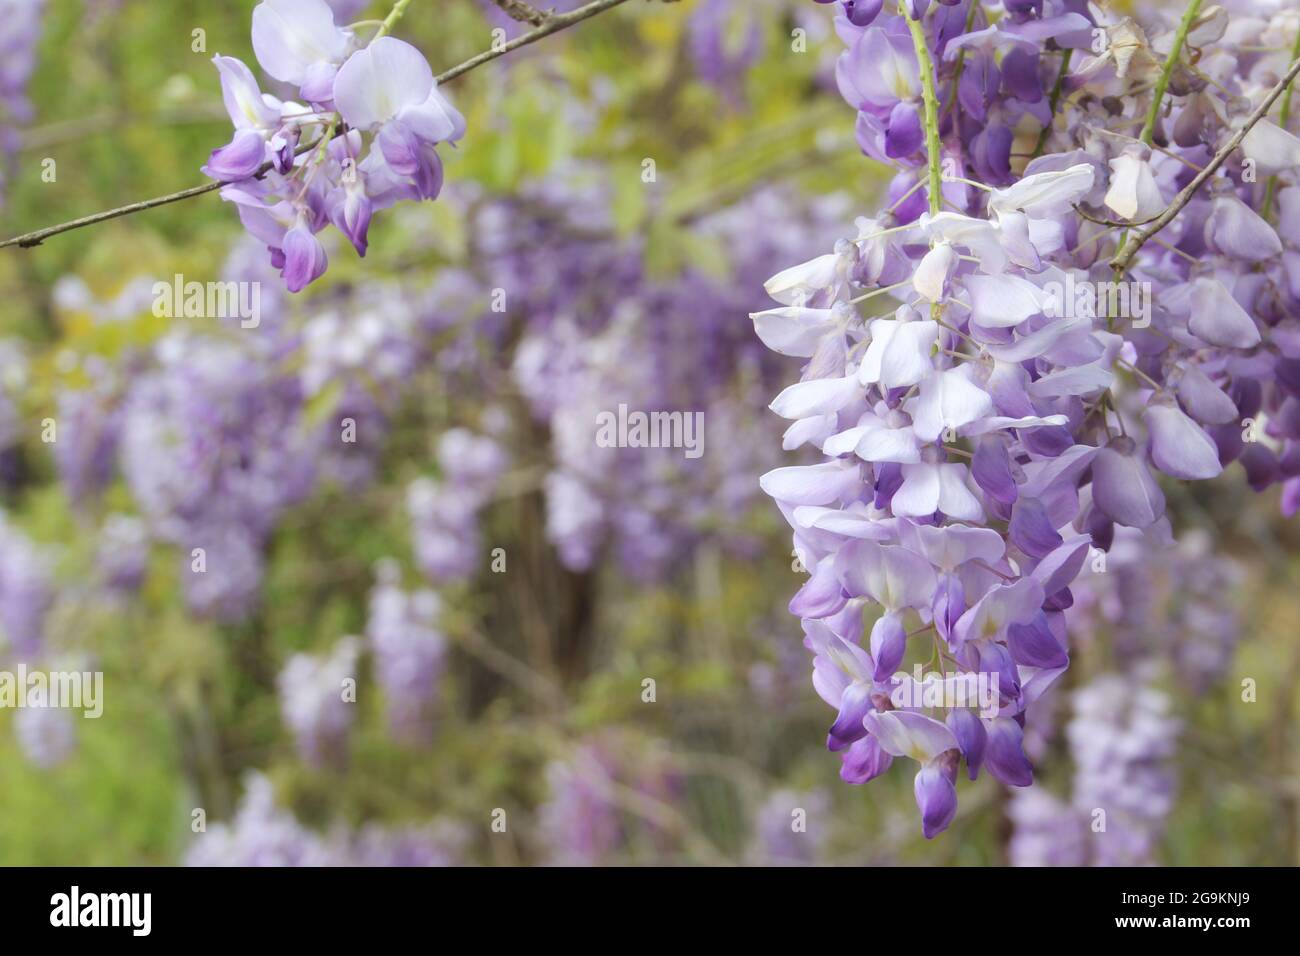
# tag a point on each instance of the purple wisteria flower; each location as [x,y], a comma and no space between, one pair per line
[20,31]
[409,651]
[1122,738]
[26,591]
[1014,414]
[363,138]
[263,833]
[315,703]
[444,512]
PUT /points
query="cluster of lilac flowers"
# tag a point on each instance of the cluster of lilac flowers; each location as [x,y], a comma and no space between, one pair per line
[1122,739]
[444,512]
[409,651]
[318,693]
[602,798]
[20,31]
[599,331]
[28,596]
[791,828]
[315,704]
[220,435]
[263,833]
[363,138]
[983,440]
[1160,600]
[26,591]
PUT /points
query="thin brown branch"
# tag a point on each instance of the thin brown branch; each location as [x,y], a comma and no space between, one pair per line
[523,12]
[554,23]
[1124,258]
[1114,223]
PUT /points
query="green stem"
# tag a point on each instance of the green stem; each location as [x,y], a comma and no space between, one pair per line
[931,100]
[390,21]
[1054,101]
[1162,84]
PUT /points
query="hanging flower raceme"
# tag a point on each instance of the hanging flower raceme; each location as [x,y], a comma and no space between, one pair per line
[363,138]
[982,443]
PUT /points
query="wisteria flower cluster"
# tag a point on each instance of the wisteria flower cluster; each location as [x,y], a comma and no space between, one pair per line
[363,138]
[602,797]
[1122,738]
[264,833]
[20,30]
[1050,358]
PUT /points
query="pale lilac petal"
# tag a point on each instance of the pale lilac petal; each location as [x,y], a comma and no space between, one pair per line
[792,330]
[918,496]
[888,444]
[899,353]
[798,284]
[1003,301]
[888,644]
[1273,149]
[1218,318]
[1203,400]
[817,397]
[955,498]
[242,97]
[934,272]
[1179,446]
[1236,230]
[905,733]
[435,120]
[1133,193]
[1046,194]
[947,399]
[950,546]
[377,82]
[1123,488]
[892,576]
[811,484]
[289,36]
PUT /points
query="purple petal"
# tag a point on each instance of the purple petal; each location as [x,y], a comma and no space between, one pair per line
[1123,488]
[304,258]
[1031,529]
[1034,645]
[289,36]
[1179,447]
[1236,230]
[239,159]
[863,761]
[888,645]
[1218,318]
[1203,400]
[905,133]
[971,738]
[379,81]
[991,469]
[854,705]
[1005,756]
[936,796]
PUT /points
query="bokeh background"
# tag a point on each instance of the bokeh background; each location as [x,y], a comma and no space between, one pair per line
[499,587]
